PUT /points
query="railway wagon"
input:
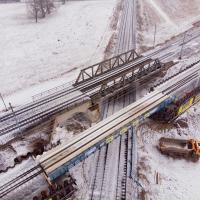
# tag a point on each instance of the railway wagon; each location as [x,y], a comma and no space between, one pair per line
[188,104]
[179,106]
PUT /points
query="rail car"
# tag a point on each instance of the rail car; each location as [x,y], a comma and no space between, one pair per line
[185,94]
[178,107]
[188,104]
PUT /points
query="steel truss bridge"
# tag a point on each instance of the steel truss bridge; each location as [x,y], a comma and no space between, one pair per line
[93,82]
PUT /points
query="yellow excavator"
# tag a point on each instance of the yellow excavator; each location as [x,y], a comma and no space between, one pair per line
[189,149]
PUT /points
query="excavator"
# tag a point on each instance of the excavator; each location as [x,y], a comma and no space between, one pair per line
[189,149]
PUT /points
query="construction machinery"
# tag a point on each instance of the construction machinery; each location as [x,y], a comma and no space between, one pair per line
[189,149]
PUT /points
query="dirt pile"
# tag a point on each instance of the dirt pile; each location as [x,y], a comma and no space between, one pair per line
[70,127]
[78,123]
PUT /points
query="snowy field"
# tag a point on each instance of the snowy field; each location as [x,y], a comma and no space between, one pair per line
[170,17]
[36,57]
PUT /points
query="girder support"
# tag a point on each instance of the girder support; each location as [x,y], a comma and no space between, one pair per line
[130,76]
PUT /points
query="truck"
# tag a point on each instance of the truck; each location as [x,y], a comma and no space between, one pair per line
[174,147]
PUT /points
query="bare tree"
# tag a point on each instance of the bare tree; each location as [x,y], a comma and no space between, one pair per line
[39,8]
[33,9]
[42,8]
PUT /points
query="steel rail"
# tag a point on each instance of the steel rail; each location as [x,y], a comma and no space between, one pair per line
[19,177]
[18,184]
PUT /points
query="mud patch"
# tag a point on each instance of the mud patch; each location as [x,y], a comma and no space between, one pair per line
[11,156]
[158,126]
[6,158]
[66,130]
[181,123]
[77,123]
[196,24]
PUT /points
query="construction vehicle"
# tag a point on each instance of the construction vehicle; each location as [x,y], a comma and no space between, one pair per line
[189,149]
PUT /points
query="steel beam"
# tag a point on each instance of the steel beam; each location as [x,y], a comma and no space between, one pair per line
[129,77]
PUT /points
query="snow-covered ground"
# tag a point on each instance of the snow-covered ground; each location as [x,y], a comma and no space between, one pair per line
[178,178]
[54,50]
[170,18]
[45,57]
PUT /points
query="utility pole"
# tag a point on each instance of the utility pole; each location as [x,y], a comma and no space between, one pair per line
[17,122]
[154,38]
[3,102]
[180,57]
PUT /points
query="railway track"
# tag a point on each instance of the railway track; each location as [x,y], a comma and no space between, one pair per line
[99,172]
[20,180]
[102,129]
[124,179]
[27,115]
[10,131]
[127,28]
[122,168]
[125,155]
[105,174]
